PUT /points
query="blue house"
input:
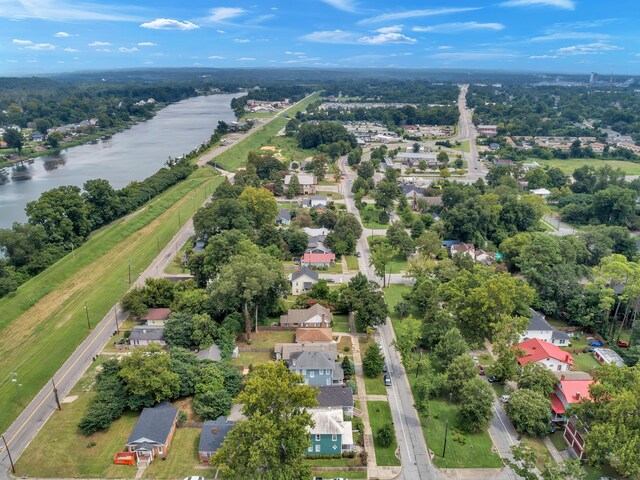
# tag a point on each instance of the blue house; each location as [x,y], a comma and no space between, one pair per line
[284,217]
[330,435]
[318,367]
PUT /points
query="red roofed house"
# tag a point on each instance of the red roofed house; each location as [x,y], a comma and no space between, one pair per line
[566,393]
[551,356]
[321,260]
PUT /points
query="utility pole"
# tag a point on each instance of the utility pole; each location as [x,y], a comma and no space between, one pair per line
[55,395]
[446,429]
[419,362]
[13,467]
[86,311]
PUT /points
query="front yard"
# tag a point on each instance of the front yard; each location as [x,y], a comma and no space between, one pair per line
[380,415]
[375,385]
[182,459]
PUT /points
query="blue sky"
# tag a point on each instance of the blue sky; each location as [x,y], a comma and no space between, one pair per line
[41,36]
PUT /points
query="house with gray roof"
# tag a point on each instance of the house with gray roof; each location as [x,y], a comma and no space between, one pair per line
[153,433]
[318,367]
[284,217]
[335,396]
[144,335]
[539,328]
[212,434]
[302,280]
[315,316]
[211,353]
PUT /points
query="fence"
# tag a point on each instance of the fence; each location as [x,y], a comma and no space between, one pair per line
[254,350]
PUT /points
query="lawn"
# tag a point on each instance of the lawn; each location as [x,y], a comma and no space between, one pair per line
[175,266]
[464,450]
[352,263]
[268,338]
[465,147]
[48,310]
[235,156]
[569,165]
[287,150]
[182,459]
[398,264]
[345,342]
[558,440]
[543,456]
[595,473]
[341,323]
[370,216]
[584,362]
[244,359]
[380,415]
[375,385]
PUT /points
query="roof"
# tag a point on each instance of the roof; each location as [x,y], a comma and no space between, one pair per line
[536,350]
[410,189]
[419,156]
[154,425]
[213,433]
[157,314]
[609,356]
[146,332]
[450,243]
[462,248]
[306,360]
[540,191]
[575,390]
[284,214]
[304,315]
[211,353]
[304,179]
[318,257]
[572,375]
[305,271]
[335,396]
[556,404]
[316,231]
[327,422]
[287,349]
[537,322]
[304,335]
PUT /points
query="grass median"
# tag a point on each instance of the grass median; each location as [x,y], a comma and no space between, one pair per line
[44,321]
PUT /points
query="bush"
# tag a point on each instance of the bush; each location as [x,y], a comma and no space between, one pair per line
[364,458]
[353,386]
[91,444]
[385,435]
[383,217]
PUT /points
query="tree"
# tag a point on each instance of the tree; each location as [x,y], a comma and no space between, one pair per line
[134,302]
[371,308]
[103,202]
[534,376]
[460,370]
[381,255]
[178,330]
[294,188]
[260,204]
[348,367]
[13,138]
[221,214]
[429,243]
[408,332]
[402,308]
[385,193]
[147,373]
[212,404]
[366,170]
[54,139]
[443,159]
[530,412]
[342,240]
[476,405]
[271,443]
[373,361]
[416,147]
[246,282]
[384,436]
[451,346]
[525,460]
[459,163]
[398,238]
[63,214]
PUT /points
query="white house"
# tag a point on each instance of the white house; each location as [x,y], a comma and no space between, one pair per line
[550,356]
[539,328]
[302,280]
[606,355]
[463,249]
[308,183]
[540,192]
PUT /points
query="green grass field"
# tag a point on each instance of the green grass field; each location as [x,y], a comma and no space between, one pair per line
[375,385]
[235,156]
[182,459]
[44,320]
[340,323]
[352,263]
[380,415]
[465,147]
[569,165]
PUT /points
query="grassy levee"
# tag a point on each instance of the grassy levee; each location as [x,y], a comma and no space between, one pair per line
[44,321]
[231,159]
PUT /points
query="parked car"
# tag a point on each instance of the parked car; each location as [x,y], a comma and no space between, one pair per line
[594,342]
[504,398]
[387,381]
[492,379]
[384,367]
[481,370]
[358,254]
[622,344]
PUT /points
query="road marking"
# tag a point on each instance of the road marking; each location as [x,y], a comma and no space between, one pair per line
[503,426]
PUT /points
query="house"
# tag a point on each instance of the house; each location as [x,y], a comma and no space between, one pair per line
[575,434]
[315,241]
[539,328]
[550,356]
[37,137]
[487,130]
[494,146]
[318,260]
[302,280]
[462,249]
[319,201]
[502,162]
[156,316]
[315,316]
[566,393]
[284,217]
[484,257]
[312,335]
[142,336]
[540,192]
[411,158]
[335,396]
[606,355]
[314,232]
[283,351]
[153,433]
[211,353]
[308,183]
[331,434]
[449,243]
[412,192]
[212,434]
[317,367]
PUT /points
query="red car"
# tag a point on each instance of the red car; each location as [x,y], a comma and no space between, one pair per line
[622,344]
[481,368]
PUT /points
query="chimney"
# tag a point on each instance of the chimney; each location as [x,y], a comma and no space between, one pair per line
[567,358]
[562,378]
[214,430]
[577,395]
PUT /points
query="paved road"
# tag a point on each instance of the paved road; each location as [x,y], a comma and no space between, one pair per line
[467,131]
[416,464]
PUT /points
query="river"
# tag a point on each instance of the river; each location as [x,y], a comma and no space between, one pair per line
[130,155]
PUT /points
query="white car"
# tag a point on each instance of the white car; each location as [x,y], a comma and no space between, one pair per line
[504,398]
[194,478]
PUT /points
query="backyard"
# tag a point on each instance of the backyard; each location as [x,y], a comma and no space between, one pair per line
[340,323]
[380,415]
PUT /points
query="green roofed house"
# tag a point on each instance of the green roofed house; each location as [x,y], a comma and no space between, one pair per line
[330,435]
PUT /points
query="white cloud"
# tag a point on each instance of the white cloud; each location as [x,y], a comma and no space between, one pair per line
[221,14]
[471,56]
[148,62]
[390,29]
[293,53]
[564,4]
[99,44]
[41,46]
[344,5]
[459,27]
[571,36]
[62,35]
[246,59]
[128,50]
[428,12]
[444,47]
[169,24]
[103,50]
[147,44]
[301,60]
[386,38]
[535,57]
[61,11]
[22,42]
[587,49]
[70,50]
[241,40]
[221,31]
[215,57]
[331,36]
